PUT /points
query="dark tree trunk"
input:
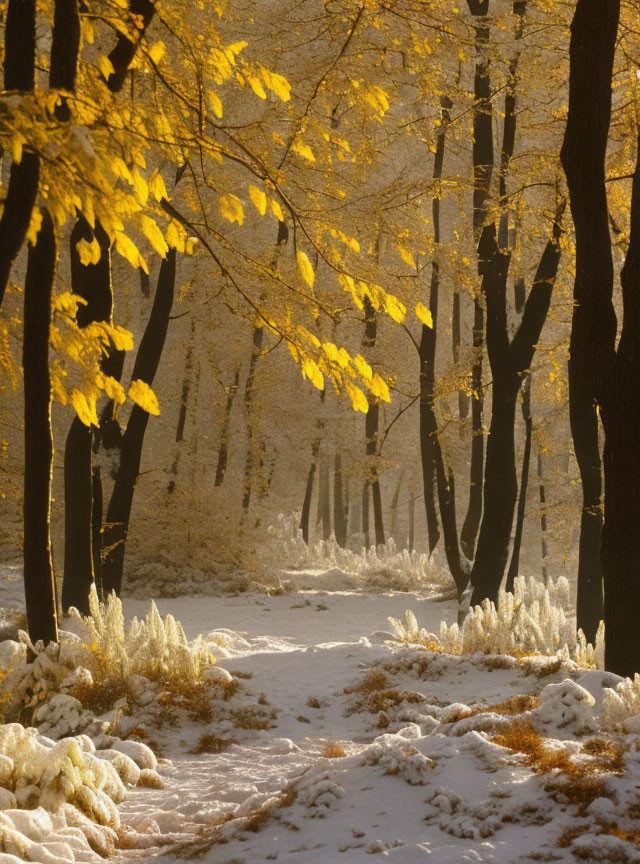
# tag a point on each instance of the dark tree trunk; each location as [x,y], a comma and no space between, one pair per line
[593,332]
[371,435]
[306,504]
[339,513]
[124,50]
[223,452]
[412,515]
[514,564]
[39,583]
[483,161]
[256,351]
[365,514]
[543,518]
[19,74]
[395,531]
[323,515]
[93,284]
[145,367]
[456,339]
[96,528]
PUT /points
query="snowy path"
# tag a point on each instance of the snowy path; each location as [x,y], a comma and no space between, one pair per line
[271,796]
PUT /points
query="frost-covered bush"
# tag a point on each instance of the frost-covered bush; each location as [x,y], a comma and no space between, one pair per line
[621,704]
[532,620]
[385,567]
[155,648]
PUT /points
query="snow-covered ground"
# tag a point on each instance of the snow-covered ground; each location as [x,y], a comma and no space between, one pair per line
[413,778]
[338,743]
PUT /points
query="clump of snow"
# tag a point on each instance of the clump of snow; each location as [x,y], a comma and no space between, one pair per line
[622,705]
[531,620]
[566,706]
[286,562]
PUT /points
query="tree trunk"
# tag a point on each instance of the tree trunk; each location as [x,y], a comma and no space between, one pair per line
[514,564]
[19,74]
[323,516]
[412,515]
[365,514]
[146,365]
[371,434]
[593,331]
[39,583]
[339,520]
[223,452]
[256,351]
[93,284]
[306,504]
[543,518]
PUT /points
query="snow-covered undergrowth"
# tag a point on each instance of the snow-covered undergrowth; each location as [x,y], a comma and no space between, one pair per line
[532,620]
[621,706]
[333,568]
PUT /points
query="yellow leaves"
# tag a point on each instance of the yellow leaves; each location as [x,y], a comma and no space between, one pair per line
[128,249]
[112,388]
[34,225]
[303,150]
[259,199]
[89,253]
[140,186]
[424,315]
[231,208]
[157,187]
[176,236]
[215,103]
[363,367]
[156,52]
[305,268]
[379,388]
[276,209]
[143,395]
[153,235]
[85,408]
[394,308]
[406,255]
[278,84]
[358,399]
[105,66]
[256,86]
[16,147]
[311,370]
[121,338]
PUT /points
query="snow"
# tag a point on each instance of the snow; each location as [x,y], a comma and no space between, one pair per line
[336,742]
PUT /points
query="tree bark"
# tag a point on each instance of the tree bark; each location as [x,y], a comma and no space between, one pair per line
[19,74]
[371,432]
[223,452]
[339,514]
[145,367]
[593,330]
[39,583]
[514,564]
[256,351]
[543,518]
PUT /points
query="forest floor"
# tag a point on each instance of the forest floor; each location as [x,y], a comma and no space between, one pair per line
[340,744]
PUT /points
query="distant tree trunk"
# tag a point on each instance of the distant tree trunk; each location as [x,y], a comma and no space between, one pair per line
[19,74]
[145,367]
[324,499]
[412,514]
[365,514]
[394,508]
[514,564]
[456,339]
[256,351]
[371,433]
[223,452]
[339,514]
[543,518]
[593,332]
[96,529]
[306,504]
[93,283]
[39,583]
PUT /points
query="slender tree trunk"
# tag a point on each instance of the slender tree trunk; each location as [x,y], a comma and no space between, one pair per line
[339,514]
[456,339]
[256,351]
[365,514]
[19,74]
[543,518]
[514,564]
[39,583]
[394,509]
[412,514]
[323,516]
[93,284]
[96,528]
[223,452]
[146,365]
[593,331]
[371,434]
[306,504]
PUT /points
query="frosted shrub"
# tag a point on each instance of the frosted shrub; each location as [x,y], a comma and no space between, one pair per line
[620,704]
[530,621]
[382,567]
[155,647]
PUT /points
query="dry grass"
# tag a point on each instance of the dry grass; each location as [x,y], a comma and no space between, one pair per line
[313,702]
[334,751]
[252,718]
[372,682]
[208,743]
[515,705]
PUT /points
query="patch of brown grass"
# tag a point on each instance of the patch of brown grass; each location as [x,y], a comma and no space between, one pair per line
[208,743]
[523,738]
[372,681]
[252,718]
[334,751]
[515,705]
[607,754]
[313,702]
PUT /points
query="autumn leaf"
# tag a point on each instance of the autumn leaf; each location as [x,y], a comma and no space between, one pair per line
[305,268]
[143,395]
